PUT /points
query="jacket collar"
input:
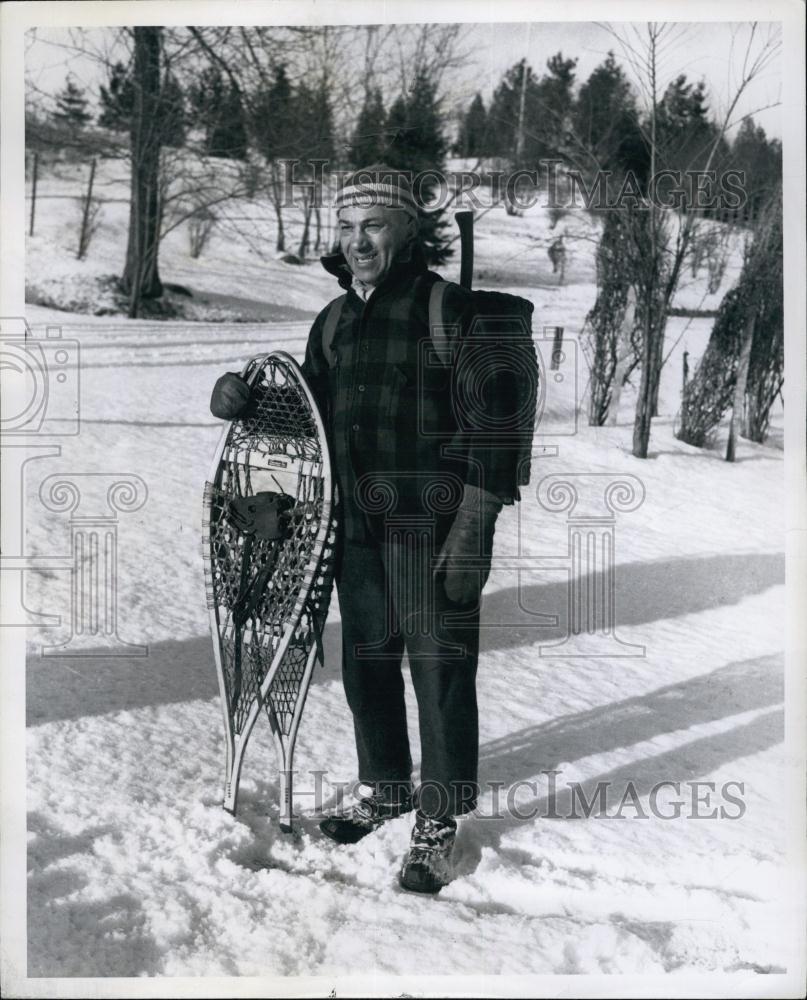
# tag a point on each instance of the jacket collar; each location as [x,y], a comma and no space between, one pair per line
[336,265]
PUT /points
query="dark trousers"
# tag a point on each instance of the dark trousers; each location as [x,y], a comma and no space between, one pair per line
[389,602]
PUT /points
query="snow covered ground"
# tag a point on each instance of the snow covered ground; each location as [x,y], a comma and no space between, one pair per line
[134,868]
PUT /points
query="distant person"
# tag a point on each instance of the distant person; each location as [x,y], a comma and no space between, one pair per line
[557,255]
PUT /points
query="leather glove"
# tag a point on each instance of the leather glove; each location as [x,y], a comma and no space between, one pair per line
[230,397]
[470,536]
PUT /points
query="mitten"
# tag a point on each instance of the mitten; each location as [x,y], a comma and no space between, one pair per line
[230,397]
[470,537]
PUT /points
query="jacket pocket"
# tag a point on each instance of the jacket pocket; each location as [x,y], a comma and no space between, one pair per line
[419,399]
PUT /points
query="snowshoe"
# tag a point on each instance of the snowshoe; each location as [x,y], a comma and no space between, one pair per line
[367,815]
[427,866]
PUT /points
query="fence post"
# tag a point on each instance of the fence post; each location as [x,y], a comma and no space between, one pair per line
[557,348]
[82,249]
[33,194]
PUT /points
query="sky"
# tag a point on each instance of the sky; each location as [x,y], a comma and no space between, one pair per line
[712,52]
[699,50]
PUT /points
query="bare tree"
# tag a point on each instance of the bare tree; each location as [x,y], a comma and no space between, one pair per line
[669,245]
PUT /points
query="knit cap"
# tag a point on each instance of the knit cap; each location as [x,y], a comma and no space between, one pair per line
[378,184]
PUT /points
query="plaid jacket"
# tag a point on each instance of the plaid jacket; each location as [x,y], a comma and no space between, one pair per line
[399,443]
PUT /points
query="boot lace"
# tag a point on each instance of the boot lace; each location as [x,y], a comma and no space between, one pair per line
[430,835]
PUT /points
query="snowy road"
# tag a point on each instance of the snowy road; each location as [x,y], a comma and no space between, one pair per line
[136,870]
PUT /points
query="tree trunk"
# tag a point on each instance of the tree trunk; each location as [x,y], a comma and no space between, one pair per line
[305,238]
[624,356]
[318,226]
[276,192]
[33,193]
[658,362]
[644,404]
[141,277]
[739,386]
[83,239]
[521,101]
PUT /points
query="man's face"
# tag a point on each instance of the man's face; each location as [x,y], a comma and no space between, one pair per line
[371,238]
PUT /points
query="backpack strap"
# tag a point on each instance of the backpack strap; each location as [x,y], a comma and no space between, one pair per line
[437,326]
[329,329]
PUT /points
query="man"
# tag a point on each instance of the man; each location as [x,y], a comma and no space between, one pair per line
[415,501]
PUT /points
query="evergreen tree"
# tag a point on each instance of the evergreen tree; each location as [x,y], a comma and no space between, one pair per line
[683,129]
[505,115]
[172,112]
[117,100]
[228,136]
[313,140]
[219,110]
[71,106]
[415,143]
[311,134]
[273,119]
[274,129]
[473,136]
[605,121]
[685,138]
[397,127]
[323,146]
[548,114]
[761,162]
[367,142]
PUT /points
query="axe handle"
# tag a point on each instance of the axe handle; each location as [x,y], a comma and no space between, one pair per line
[465,221]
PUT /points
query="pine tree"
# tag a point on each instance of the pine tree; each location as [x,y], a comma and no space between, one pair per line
[473,138]
[323,147]
[760,160]
[415,143]
[273,126]
[605,121]
[312,140]
[548,115]
[228,134]
[507,134]
[273,120]
[367,142]
[310,134]
[218,109]
[683,129]
[71,106]
[117,100]
[172,112]
[397,127]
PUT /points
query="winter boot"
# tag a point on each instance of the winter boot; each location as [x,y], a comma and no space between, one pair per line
[427,866]
[381,804]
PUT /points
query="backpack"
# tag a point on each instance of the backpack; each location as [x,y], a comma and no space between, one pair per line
[506,322]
